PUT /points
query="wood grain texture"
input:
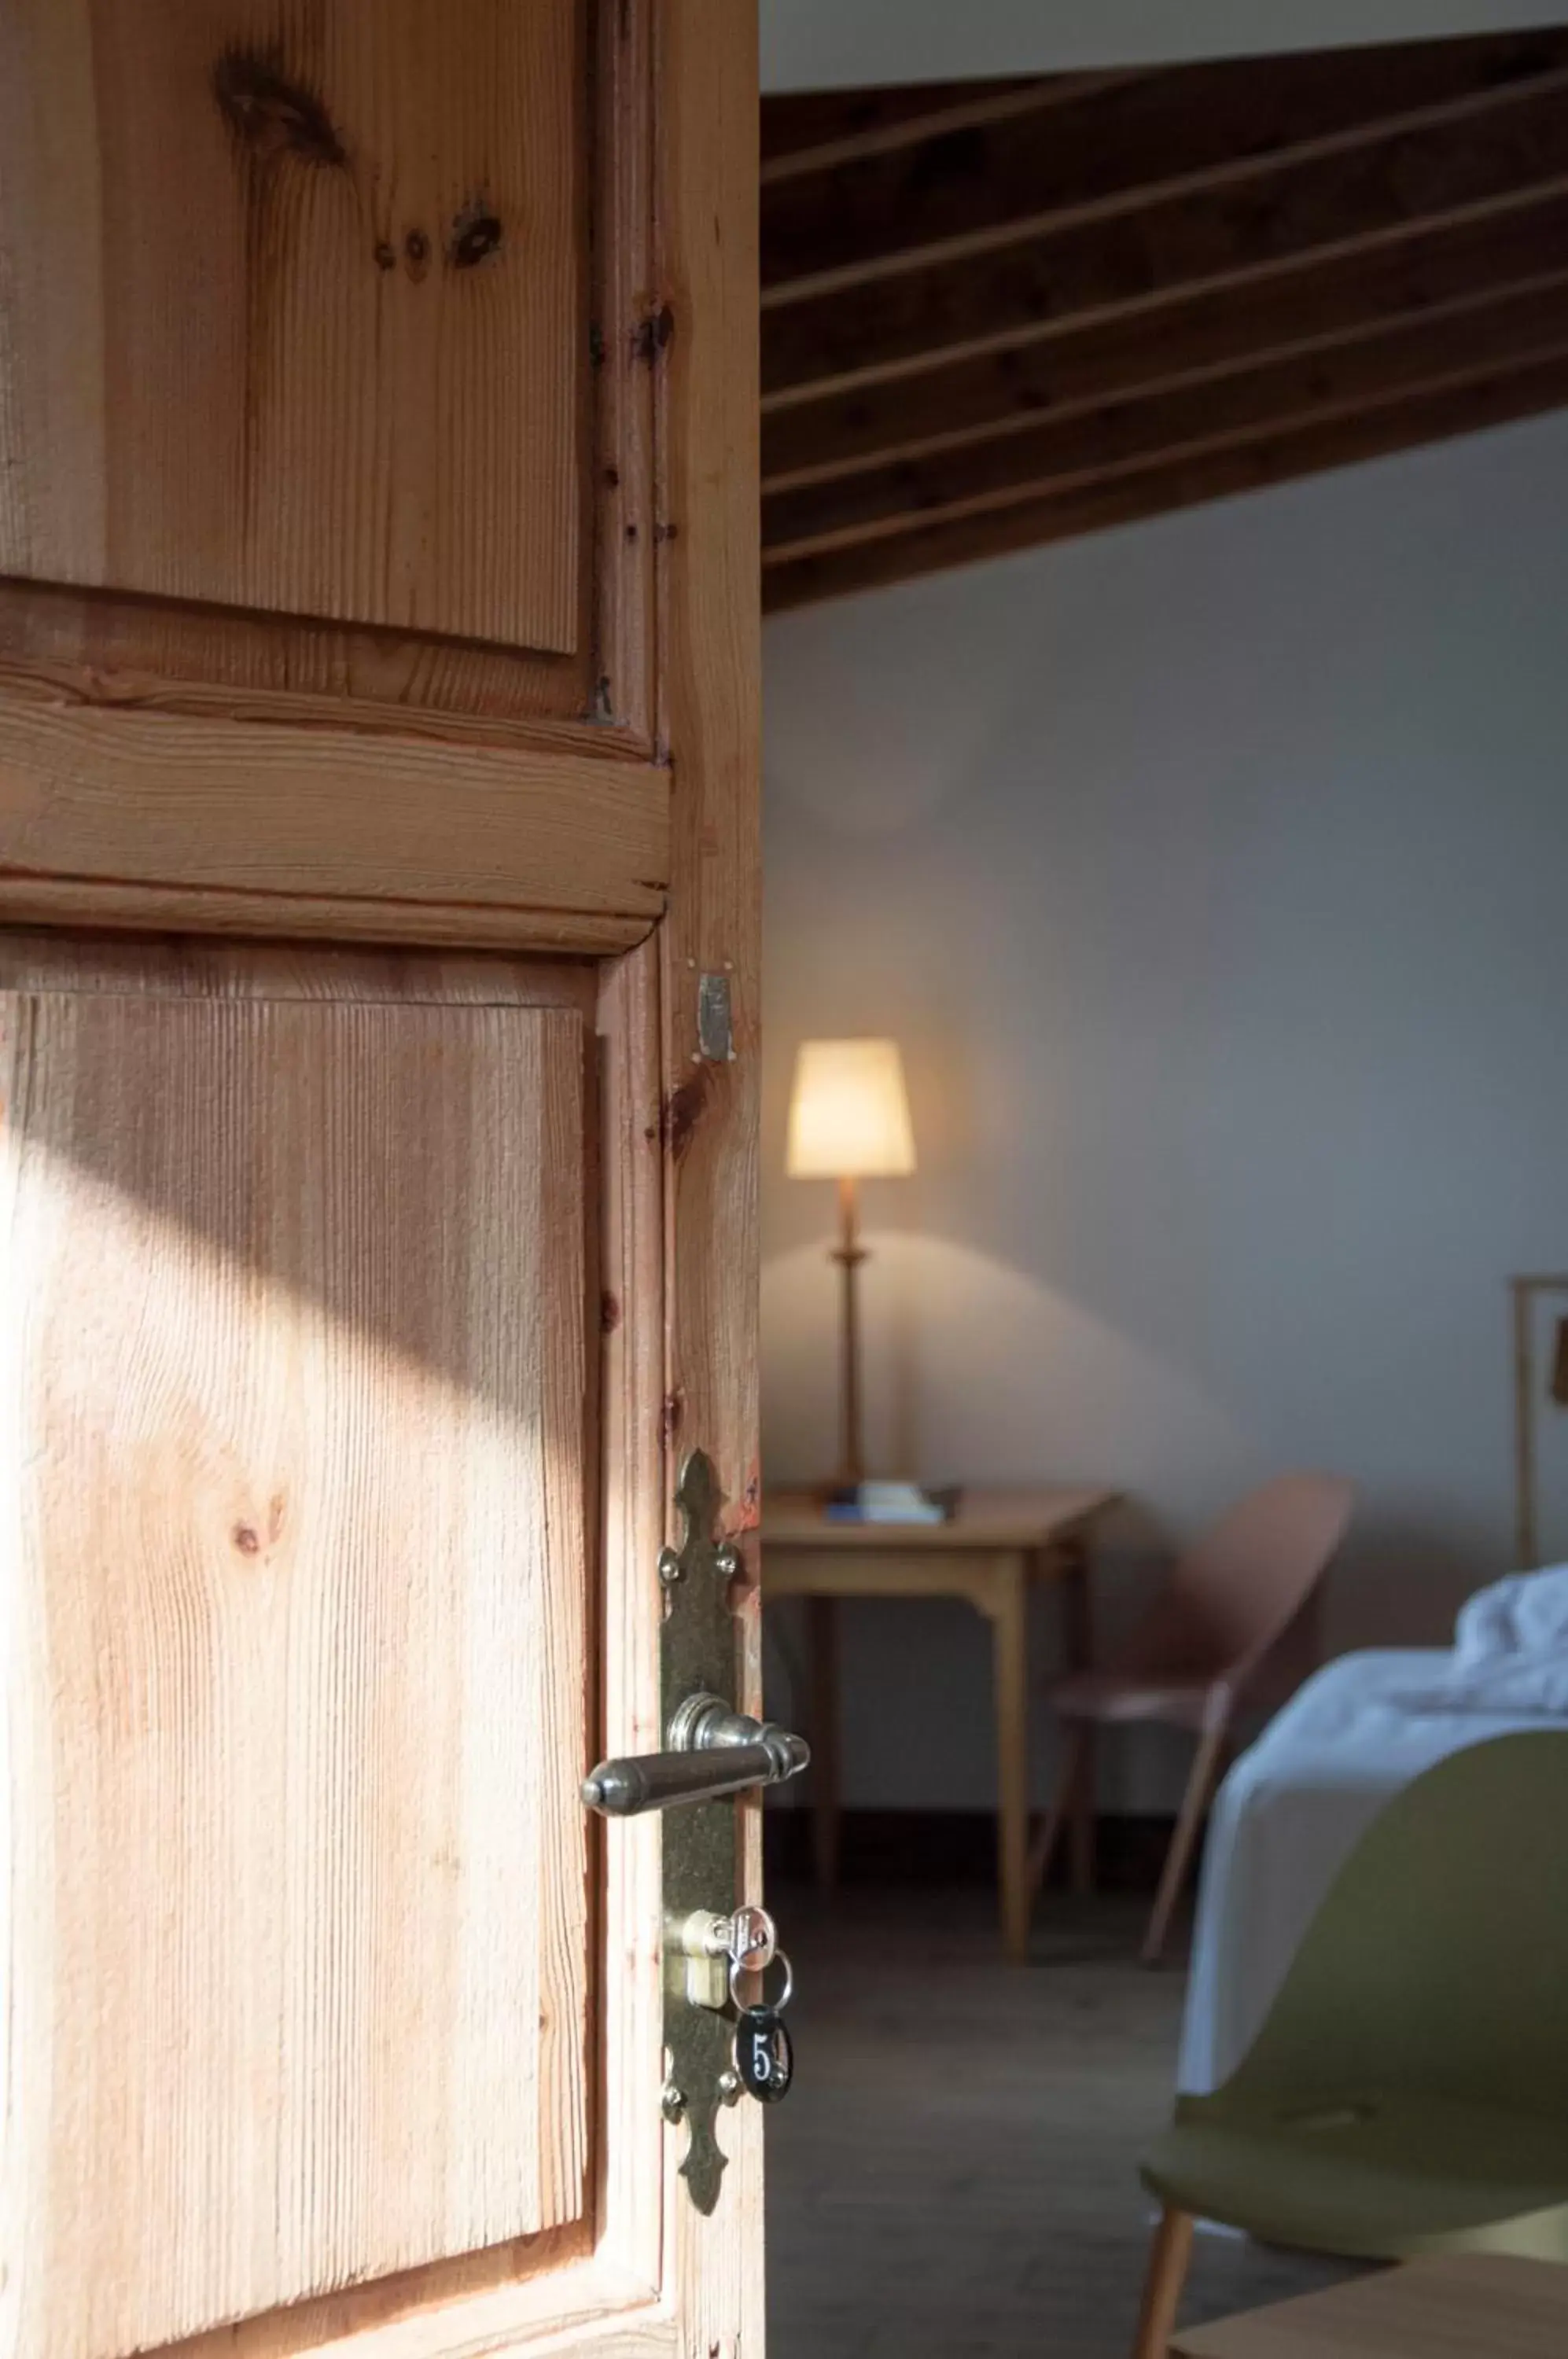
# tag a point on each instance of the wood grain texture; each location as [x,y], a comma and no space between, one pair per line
[593,2288]
[236,790]
[197,969]
[1443,2309]
[122,645]
[186,804]
[155,650]
[296,497]
[380,323]
[1169,2256]
[634,2142]
[545,2294]
[711,665]
[136,908]
[157,654]
[711,723]
[623,652]
[296,1503]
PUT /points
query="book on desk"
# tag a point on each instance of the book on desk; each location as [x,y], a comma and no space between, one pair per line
[890,1503]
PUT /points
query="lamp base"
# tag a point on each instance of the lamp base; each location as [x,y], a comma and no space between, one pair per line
[849,1253]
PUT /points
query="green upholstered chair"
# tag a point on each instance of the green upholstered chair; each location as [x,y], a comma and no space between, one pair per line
[1408,2091]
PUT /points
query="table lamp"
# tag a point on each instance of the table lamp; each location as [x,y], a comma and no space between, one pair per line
[849,1120]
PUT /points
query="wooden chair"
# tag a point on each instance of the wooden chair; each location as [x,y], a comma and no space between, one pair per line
[1194,1656]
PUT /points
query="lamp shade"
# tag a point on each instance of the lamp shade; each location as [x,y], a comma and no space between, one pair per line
[849,1116]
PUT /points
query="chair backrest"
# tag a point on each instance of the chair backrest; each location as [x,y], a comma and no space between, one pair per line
[1439,1959]
[1238,1589]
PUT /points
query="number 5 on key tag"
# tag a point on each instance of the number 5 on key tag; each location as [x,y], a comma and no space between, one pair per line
[764,2053]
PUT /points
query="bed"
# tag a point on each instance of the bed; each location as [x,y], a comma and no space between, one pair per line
[1287,1816]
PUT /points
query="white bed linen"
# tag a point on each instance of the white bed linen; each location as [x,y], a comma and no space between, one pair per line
[1511,1646]
[1288,1816]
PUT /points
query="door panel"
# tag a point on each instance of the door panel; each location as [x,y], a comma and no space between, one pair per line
[358,1308]
[328,369]
[296,1469]
[351,243]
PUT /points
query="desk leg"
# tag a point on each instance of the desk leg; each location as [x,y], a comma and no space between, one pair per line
[1078,1647]
[822,1621]
[1009,1612]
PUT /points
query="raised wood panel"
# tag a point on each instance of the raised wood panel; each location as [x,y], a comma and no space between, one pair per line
[296,1462]
[121,648]
[140,908]
[413,832]
[329,613]
[195,969]
[296,308]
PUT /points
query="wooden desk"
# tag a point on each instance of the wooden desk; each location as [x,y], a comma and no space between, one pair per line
[1469,2305]
[996,1547]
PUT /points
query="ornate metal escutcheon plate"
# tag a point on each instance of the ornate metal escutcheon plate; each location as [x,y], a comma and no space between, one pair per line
[697,1656]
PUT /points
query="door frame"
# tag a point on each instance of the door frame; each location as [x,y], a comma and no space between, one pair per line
[681,1100]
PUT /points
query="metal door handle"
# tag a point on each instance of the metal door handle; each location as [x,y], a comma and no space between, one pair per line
[713,1750]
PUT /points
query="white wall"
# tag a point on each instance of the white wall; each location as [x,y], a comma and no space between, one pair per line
[1214,872]
[823,44]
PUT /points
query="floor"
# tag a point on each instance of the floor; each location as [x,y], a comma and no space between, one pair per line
[954,2170]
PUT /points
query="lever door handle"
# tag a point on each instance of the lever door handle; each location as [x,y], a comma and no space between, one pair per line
[713,1750]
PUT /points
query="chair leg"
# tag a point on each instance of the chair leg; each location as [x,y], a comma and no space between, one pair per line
[1166,2274]
[1194,1802]
[1081,1826]
[1042,1850]
[823,1631]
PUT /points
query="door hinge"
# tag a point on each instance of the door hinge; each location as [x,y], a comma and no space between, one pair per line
[715,1031]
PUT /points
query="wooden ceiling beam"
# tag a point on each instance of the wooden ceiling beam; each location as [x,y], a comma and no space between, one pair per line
[969,188]
[822,132]
[1181,243]
[1146,434]
[1208,337]
[799,126]
[1299,452]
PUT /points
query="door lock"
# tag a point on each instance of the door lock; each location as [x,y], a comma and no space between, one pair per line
[723,2037]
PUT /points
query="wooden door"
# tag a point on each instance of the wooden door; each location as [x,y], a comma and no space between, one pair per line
[379,681]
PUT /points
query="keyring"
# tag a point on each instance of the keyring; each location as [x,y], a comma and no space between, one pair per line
[774,2005]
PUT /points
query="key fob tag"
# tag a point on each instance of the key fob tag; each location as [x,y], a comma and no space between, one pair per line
[764,2055]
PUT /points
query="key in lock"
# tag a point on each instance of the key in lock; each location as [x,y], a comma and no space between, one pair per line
[714,1948]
